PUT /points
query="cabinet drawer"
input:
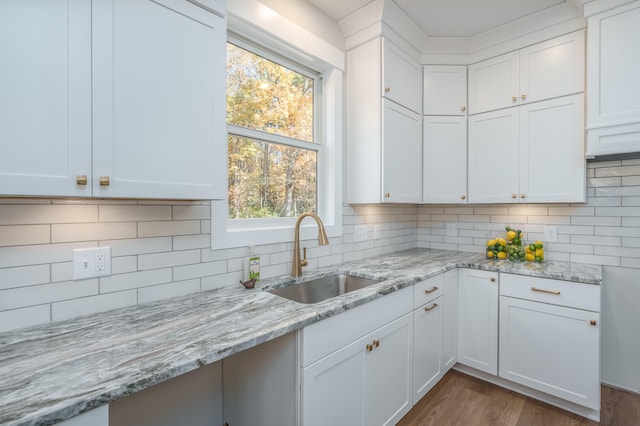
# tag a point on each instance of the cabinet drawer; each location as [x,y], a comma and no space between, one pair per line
[556,292]
[427,290]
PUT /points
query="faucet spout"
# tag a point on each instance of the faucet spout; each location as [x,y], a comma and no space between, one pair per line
[297,264]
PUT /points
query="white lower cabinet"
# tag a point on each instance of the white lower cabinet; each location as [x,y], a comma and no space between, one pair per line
[551,342]
[427,335]
[449,320]
[366,381]
[478,319]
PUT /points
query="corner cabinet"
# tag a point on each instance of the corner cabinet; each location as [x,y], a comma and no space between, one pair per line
[444,135]
[550,337]
[356,366]
[613,110]
[384,125]
[102,100]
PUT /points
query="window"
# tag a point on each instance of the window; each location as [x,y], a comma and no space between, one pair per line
[273,149]
[278,171]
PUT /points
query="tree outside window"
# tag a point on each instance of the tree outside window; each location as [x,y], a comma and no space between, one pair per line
[272,151]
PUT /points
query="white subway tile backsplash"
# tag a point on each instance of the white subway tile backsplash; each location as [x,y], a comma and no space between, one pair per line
[64,233]
[124,264]
[618,171]
[198,270]
[46,293]
[20,235]
[167,291]
[172,258]
[168,228]
[23,276]
[138,246]
[92,304]
[37,254]
[218,281]
[46,214]
[133,280]
[594,259]
[62,271]
[134,213]
[192,212]
[187,242]
[24,317]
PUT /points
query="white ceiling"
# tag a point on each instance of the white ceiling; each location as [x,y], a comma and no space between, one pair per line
[449,18]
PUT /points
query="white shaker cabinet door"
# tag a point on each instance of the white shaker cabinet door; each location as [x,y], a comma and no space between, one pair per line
[478,319]
[401,77]
[450,320]
[494,83]
[445,90]
[550,348]
[45,98]
[427,347]
[444,160]
[158,92]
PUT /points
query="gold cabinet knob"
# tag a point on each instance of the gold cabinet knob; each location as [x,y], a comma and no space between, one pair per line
[593,322]
[104,181]
[463,197]
[387,89]
[514,196]
[492,279]
[515,98]
[81,180]
[523,195]
[387,195]
[369,347]
[376,343]
[523,96]
[463,109]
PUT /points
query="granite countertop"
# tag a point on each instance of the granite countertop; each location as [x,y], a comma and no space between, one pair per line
[52,372]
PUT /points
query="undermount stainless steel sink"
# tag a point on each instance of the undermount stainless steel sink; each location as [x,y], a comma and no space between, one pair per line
[324,288]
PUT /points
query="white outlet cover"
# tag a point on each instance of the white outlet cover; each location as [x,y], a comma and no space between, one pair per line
[452,230]
[91,262]
[360,233]
[377,231]
[551,234]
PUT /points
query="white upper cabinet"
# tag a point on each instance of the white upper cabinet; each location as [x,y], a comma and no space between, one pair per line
[534,153]
[445,90]
[159,102]
[45,97]
[113,98]
[613,112]
[400,77]
[384,137]
[444,159]
[543,71]
[493,84]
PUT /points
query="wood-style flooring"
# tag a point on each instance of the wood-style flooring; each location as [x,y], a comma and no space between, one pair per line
[459,399]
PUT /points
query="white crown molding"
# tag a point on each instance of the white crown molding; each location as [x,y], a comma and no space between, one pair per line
[591,7]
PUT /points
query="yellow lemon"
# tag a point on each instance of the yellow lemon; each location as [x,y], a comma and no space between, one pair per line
[527,250]
[501,241]
[511,235]
[489,254]
[491,243]
[540,252]
[502,255]
[529,257]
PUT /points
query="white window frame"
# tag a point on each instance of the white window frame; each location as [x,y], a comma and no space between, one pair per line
[230,233]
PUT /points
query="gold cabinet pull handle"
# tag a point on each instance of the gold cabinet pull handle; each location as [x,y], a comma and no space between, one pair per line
[523,96]
[431,308]
[431,291]
[514,196]
[541,290]
[515,98]
[463,197]
[387,89]
[463,109]
[369,347]
[376,343]
[523,195]
[104,181]
[81,180]
[492,279]
[593,322]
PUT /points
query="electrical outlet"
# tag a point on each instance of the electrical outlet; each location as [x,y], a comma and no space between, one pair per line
[452,230]
[91,262]
[377,231]
[551,234]
[360,233]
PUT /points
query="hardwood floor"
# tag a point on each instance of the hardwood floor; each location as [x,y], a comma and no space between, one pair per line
[463,400]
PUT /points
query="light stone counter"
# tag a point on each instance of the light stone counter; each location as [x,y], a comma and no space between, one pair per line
[53,372]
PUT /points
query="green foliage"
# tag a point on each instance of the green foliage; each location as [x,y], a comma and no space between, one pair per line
[268,179]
